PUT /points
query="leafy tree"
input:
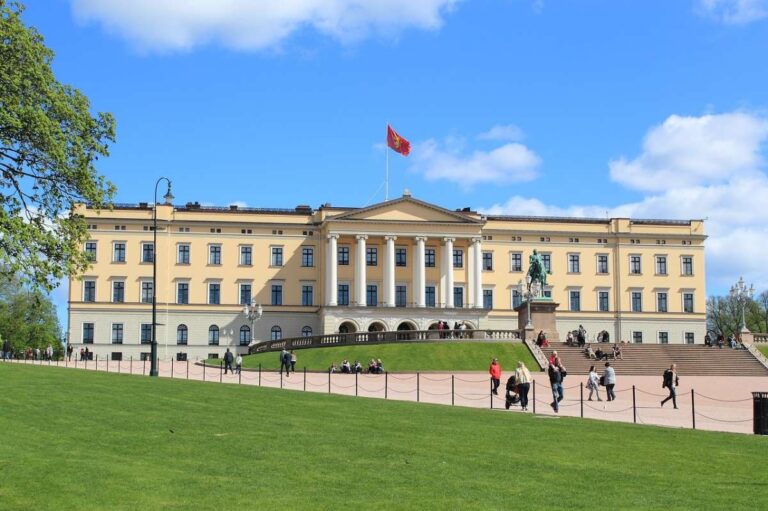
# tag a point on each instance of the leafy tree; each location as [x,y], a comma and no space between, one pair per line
[49,144]
[724,314]
[27,317]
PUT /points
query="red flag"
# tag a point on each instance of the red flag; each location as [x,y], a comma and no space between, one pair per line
[397,142]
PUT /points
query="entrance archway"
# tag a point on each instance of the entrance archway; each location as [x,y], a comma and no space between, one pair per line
[377,326]
[403,329]
[347,327]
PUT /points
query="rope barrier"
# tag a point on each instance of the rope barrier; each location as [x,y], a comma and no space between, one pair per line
[401,391]
[608,411]
[369,390]
[724,400]
[402,378]
[435,393]
[471,381]
[651,393]
[436,379]
[344,386]
[484,396]
[722,420]
[323,384]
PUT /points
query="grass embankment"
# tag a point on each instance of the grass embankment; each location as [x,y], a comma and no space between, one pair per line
[448,356]
[76,440]
[763,349]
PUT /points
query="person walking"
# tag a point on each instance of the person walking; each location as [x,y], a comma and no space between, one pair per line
[239,363]
[285,362]
[523,380]
[7,349]
[556,372]
[671,381]
[609,378]
[495,372]
[69,351]
[228,357]
[293,361]
[593,384]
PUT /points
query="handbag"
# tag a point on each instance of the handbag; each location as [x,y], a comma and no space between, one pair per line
[602,381]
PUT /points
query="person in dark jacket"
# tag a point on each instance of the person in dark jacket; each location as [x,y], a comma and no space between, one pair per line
[285,362]
[556,371]
[671,381]
[228,358]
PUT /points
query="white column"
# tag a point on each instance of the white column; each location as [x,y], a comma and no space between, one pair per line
[360,280]
[389,271]
[331,271]
[478,275]
[447,272]
[419,273]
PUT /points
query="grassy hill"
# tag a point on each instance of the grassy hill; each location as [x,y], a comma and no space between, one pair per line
[449,356]
[763,350]
[76,440]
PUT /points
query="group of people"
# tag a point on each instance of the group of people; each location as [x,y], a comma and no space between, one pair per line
[607,380]
[229,357]
[9,353]
[518,385]
[375,366]
[287,362]
[603,355]
[459,330]
[720,342]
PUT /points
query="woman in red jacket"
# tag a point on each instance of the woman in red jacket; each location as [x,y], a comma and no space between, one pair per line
[495,372]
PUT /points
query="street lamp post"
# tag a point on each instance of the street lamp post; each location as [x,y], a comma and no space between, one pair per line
[253,313]
[527,294]
[742,294]
[168,200]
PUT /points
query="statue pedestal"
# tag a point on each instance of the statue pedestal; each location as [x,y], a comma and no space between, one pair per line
[543,317]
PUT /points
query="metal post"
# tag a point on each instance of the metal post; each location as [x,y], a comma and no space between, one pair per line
[305,378]
[221,371]
[634,406]
[144,367]
[171,368]
[259,374]
[534,397]
[386,384]
[204,368]
[131,368]
[240,375]
[693,409]
[187,368]
[86,362]
[281,377]
[581,398]
[453,401]
[417,387]
[490,393]
[355,383]
[153,370]
[329,381]
[119,363]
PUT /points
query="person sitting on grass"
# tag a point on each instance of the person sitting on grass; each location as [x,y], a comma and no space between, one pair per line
[357,368]
[345,367]
[379,366]
[333,368]
[372,366]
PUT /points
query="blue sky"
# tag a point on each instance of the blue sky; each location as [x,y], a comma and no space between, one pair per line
[643,109]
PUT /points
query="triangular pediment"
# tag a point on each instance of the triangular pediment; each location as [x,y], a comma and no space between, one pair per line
[405,209]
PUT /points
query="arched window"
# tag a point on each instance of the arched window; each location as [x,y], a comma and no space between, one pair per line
[213,335]
[245,335]
[182,334]
[276,333]
[306,331]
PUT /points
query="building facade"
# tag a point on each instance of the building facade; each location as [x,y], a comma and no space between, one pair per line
[400,264]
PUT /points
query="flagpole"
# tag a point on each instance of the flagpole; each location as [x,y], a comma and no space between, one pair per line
[386,175]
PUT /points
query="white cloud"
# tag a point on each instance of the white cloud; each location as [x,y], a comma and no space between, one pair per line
[687,151]
[734,12]
[732,203]
[506,132]
[508,163]
[255,24]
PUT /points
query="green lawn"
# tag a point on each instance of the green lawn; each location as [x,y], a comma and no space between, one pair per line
[763,349]
[448,356]
[76,440]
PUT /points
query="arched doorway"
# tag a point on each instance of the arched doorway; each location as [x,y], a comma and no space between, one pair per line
[377,326]
[403,330]
[347,327]
[435,332]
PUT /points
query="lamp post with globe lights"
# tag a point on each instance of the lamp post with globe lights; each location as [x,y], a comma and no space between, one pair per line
[742,294]
[153,371]
[252,313]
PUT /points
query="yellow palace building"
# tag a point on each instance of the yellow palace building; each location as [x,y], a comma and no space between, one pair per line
[402,264]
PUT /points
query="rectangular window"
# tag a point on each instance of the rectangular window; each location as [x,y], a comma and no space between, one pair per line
[637,301]
[429,295]
[661,302]
[117,333]
[118,252]
[343,253]
[517,298]
[575,300]
[371,256]
[89,291]
[90,250]
[245,294]
[573,263]
[661,265]
[277,294]
[634,265]
[400,296]
[516,261]
[182,293]
[547,258]
[687,302]
[602,301]
[307,298]
[687,263]
[637,337]
[602,264]
[277,256]
[371,295]
[458,258]
[182,253]
[307,257]
[214,254]
[88,333]
[147,252]
[689,339]
[488,299]
[663,337]
[116,356]
[146,292]
[401,257]
[214,293]
[246,255]
[343,295]
[146,333]
[118,291]
[429,258]
[458,297]
[487,261]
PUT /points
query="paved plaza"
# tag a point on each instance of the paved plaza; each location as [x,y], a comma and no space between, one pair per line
[720,403]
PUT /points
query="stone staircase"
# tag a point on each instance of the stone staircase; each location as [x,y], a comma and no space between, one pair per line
[653,359]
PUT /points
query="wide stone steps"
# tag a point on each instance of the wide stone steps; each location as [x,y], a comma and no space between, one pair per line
[654,359]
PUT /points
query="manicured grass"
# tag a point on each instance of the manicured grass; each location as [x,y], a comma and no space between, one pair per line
[763,349]
[447,356]
[77,440]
